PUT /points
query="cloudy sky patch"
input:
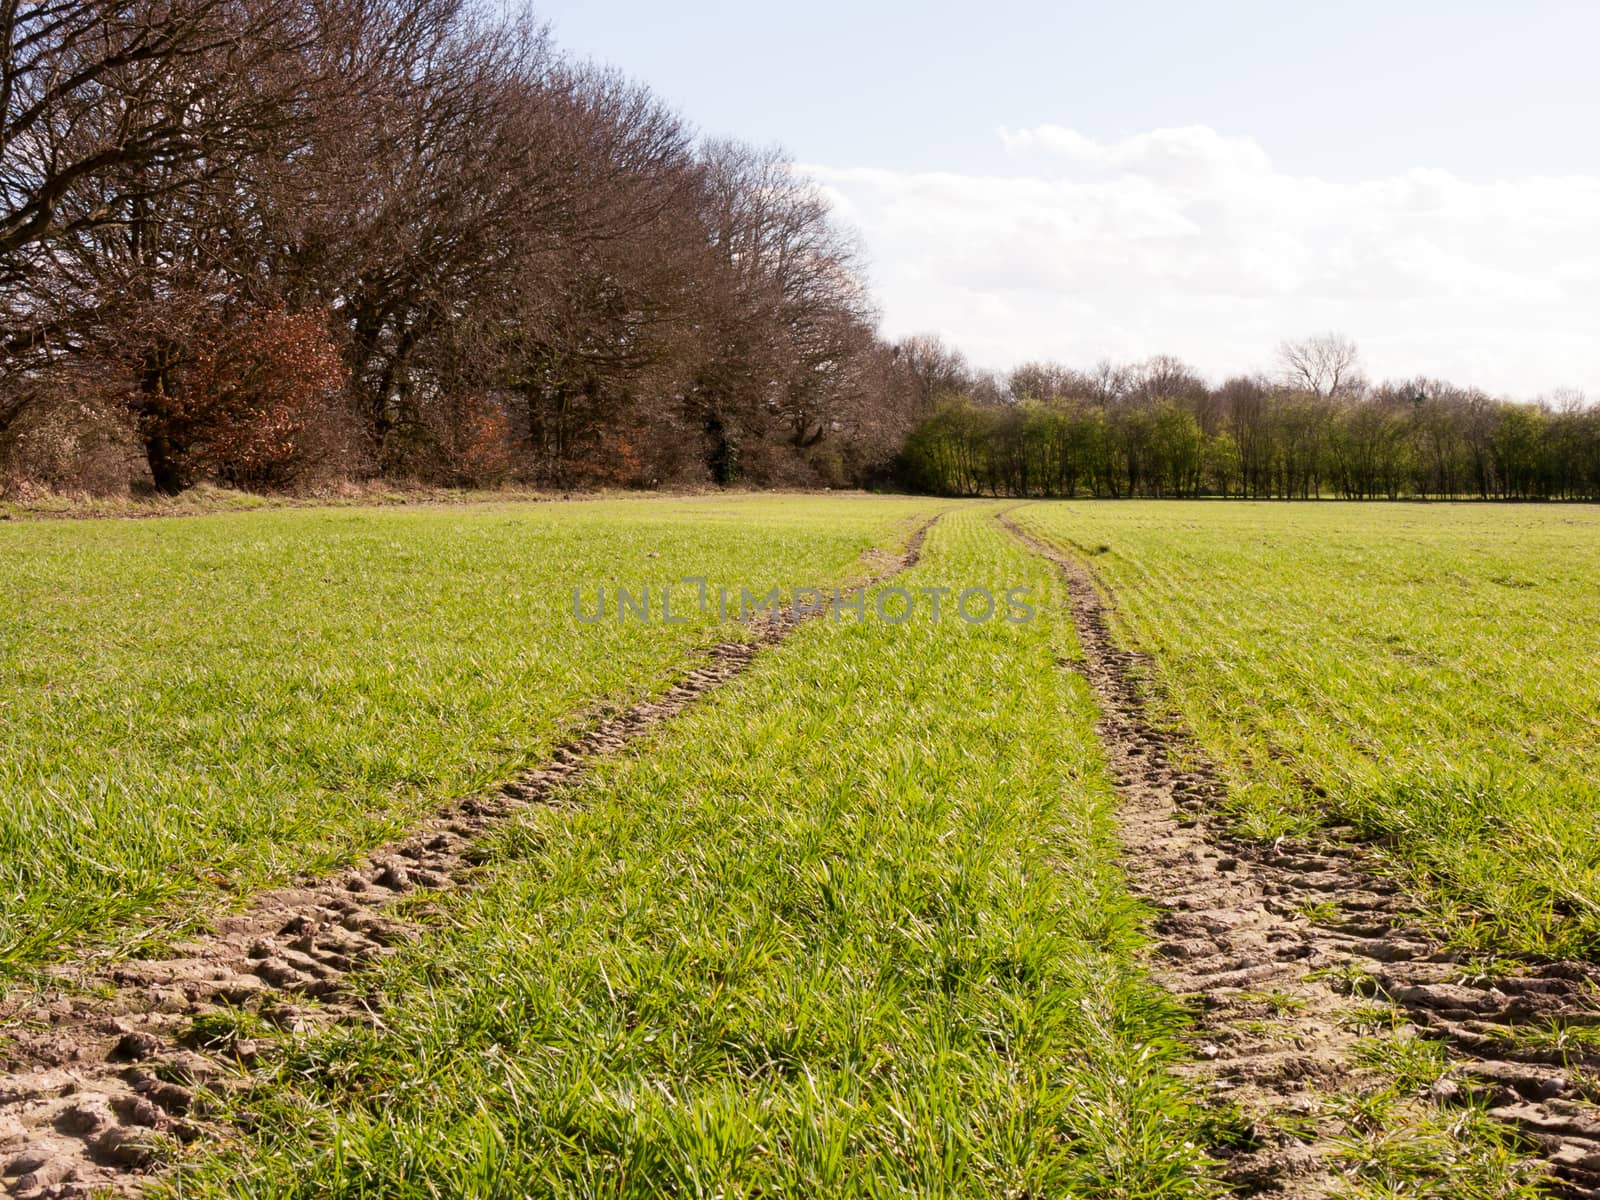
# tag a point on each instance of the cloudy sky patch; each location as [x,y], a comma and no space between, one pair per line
[1077,179]
[1191,241]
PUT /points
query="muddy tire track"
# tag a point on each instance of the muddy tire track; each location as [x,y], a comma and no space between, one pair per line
[104,1072]
[1291,950]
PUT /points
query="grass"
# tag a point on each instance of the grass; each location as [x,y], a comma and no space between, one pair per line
[1425,675]
[208,499]
[1557,1040]
[192,707]
[1398,1148]
[851,927]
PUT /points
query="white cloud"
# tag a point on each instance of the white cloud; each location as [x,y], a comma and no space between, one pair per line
[1190,242]
[1192,155]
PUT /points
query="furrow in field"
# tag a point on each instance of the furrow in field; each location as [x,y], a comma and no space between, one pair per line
[853,928]
[103,1069]
[1297,1008]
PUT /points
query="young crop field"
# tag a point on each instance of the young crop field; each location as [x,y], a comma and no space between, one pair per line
[1141,850]
[1427,676]
[852,928]
[220,703]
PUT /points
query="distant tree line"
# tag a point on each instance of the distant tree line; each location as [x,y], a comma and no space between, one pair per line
[1315,428]
[266,242]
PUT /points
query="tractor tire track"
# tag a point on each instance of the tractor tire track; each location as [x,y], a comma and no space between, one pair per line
[1289,948]
[105,1071]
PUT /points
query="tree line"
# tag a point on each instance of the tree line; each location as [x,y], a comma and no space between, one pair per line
[1314,427]
[277,243]
[269,242]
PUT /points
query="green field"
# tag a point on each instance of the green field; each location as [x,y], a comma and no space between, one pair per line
[1428,675]
[224,701]
[852,928]
[853,924]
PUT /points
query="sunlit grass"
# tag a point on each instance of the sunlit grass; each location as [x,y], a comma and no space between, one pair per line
[1425,674]
[852,927]
[219,702]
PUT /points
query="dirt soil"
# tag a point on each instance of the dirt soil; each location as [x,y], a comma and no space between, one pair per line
[1289,949]
[103,1071]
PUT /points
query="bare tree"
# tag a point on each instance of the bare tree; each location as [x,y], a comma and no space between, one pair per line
[111,105]
[791,315]
[1328,366]
[936,370]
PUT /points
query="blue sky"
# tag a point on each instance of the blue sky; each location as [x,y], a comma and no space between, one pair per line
[1073,180]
